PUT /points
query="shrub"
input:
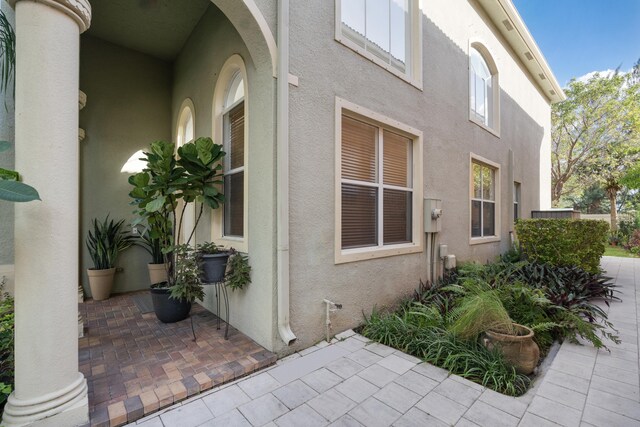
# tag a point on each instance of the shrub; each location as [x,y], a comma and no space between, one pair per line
[6,345]
[634,240]
[563,242]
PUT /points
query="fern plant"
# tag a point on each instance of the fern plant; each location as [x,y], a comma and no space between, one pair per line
[238,271]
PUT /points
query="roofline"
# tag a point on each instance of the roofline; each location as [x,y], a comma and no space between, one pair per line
[522,44]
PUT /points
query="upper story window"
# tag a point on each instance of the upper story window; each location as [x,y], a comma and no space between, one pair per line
[385,31]
[484,90]
[185,126]
[233,140]
[516,201]
[380,193]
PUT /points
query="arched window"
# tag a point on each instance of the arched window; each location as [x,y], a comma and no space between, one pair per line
[483,88]
[230,128]
[185,133]
[233,141]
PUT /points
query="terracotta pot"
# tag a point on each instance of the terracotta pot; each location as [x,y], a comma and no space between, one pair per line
[519,350]
[101,282]
[157,273]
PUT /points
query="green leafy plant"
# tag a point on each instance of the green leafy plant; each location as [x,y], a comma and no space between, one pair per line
[209,248]
[193,175]
[420,330]
[7,336]
[188,286]
[7,53]
[151,245]
[238,271]
[11,189]
[105,241]
[479,310]
[563,242]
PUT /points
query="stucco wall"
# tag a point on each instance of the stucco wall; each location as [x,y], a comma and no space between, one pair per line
[128,107]
[327,69]
[212,42]
[7,133]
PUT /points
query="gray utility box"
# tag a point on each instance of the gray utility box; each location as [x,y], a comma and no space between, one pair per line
[432,214]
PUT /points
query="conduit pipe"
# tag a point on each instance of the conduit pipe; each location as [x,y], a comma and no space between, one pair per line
[282,181]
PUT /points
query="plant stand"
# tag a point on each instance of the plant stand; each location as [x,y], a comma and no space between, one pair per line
[221,290]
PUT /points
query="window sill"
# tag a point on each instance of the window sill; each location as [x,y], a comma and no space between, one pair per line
[482,240]
[362,254]
[238,243]
[416,82]
[485,127]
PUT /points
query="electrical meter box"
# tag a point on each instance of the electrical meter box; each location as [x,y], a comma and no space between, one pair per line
[432,214]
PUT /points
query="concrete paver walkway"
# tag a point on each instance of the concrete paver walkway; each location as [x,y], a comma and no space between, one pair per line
[353,382]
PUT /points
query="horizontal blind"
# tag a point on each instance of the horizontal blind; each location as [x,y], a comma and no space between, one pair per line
[397,216]
[236,136]
[359,216]
[234,204]
[359,142]
[397,159]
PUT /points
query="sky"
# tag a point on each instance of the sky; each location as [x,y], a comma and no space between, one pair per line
[581,36]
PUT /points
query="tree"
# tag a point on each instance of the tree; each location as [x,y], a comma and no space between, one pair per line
[595,135]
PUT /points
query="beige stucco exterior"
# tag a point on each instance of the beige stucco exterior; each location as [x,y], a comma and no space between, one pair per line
[134,98]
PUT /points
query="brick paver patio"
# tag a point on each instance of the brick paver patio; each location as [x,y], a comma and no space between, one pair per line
[353,382]
[135,365]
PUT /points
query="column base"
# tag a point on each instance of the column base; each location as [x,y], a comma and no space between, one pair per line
[66,407]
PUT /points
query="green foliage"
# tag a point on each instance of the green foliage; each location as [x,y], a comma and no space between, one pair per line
[106,241]
[595,134]
[151,245]
[187,285]
[238,271]
[420,330]
[7,53]
[193,175]
[563,242]
[479,310]
[209,248]
[11,189]
[6,344]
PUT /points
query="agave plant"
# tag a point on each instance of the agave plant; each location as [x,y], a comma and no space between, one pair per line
[106,241]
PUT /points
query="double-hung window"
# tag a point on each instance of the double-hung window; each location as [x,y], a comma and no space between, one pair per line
[385,31]
[483,200]
[516,201]
[380,196]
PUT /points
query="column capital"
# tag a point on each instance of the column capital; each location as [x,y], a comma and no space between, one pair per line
[79,10]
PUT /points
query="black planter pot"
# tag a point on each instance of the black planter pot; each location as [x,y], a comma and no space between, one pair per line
[213,267]
[169,310]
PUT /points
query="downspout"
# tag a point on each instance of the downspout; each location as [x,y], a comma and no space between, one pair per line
[282,187]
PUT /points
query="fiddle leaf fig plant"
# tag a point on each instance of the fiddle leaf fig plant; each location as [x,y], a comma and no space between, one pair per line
[170,181]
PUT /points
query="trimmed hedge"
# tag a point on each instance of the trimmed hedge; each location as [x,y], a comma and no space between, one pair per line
[563,242]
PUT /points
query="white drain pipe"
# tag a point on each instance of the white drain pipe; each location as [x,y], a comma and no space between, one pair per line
[282,188]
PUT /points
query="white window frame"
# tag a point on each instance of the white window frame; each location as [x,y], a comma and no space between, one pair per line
[417,237]
[187,108]
[412,75]
[517,200]
[494,128]
[473,158]
[231,67]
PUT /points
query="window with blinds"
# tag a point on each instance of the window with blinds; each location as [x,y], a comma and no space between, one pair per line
[234,140]
[483,201]
[376,185]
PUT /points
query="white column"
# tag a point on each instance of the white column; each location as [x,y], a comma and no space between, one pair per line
[49,390]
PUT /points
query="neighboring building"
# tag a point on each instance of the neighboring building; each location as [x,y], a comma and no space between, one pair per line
[388,103]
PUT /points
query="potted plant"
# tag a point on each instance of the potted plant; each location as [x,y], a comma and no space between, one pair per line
[213,262]
[480,310]
[194,174]
[172,304]
[157,267]
[105,242]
